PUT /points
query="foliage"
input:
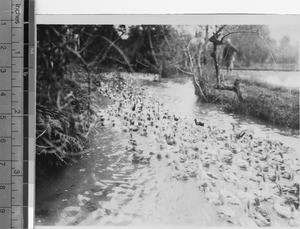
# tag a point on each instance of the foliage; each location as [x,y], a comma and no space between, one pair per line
[62,110]
[286,52]
[254,49]
[154,48]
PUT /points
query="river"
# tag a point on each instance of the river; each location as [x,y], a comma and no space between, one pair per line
[105,187]
[277,78]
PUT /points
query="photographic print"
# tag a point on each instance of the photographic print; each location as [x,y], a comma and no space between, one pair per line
[167,124]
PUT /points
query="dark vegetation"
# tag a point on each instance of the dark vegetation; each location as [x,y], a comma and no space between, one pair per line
[72,60]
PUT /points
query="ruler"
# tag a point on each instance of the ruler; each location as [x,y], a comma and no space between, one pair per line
[16,68]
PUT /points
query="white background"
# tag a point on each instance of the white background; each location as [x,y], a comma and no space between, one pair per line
[166,7]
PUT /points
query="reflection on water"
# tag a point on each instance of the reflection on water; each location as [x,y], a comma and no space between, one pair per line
[106,188]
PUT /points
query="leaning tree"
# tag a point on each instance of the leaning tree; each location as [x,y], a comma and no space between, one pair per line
[216,39]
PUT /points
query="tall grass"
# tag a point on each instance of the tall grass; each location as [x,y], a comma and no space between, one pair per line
[274,104]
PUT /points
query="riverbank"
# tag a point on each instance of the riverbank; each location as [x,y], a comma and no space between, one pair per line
[267,67]
[277,105]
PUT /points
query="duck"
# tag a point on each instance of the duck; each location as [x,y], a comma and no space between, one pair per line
[245,220]
[198,123]
[240,134]
[203,184]
[229,198]
[212,197]
[246,197]
[229,176]
[261,217]
[225,212]
[282,210]
[295,219]
[201,173]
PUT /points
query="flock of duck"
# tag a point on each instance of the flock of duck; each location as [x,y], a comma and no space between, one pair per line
[250,181]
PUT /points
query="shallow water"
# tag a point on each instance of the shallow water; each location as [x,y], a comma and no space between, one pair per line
[106,188]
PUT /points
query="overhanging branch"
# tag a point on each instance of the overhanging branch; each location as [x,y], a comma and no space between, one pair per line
[238,31]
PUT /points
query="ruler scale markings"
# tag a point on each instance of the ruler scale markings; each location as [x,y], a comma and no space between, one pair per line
[14,24]
[26,102]
[11,202]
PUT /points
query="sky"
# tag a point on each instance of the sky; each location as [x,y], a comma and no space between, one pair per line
[278,31]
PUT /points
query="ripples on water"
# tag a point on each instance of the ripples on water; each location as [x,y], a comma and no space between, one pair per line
[106,188]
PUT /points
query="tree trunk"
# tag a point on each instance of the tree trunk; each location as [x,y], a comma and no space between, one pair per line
[152,49]
[205,46]
[197,71]
[199,75]
[214,56]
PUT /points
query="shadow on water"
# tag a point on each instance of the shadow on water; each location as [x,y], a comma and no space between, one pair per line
[106,188]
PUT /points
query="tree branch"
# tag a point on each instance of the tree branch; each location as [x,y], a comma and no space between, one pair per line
[189,73]
[238,31]
[151,47]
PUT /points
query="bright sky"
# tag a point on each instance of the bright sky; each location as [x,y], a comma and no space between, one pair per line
[278,31]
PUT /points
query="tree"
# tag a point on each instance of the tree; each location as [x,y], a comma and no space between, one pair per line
[64,107]
[217,38]
[153,48]
[286,52]
[252,48]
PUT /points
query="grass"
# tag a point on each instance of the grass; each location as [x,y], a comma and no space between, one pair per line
[273,104]
[268,66]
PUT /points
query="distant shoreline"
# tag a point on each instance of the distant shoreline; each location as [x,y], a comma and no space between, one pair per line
[265,70]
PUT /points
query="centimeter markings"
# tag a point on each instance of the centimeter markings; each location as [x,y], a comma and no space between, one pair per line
[14,74]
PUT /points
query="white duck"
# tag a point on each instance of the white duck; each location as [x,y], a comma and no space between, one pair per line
[238,134]
[225,212]
[212,197]
[285,211]
[295,219]
[229,198]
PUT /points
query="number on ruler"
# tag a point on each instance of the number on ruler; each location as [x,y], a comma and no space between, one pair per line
[2,94]
[2,187]
[2,211]
[17,111]
[3,163]
[2,47]
[17,171]
[2,140]
[2,116]
[2,70]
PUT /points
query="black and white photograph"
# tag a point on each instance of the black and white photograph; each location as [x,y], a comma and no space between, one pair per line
[175,124]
